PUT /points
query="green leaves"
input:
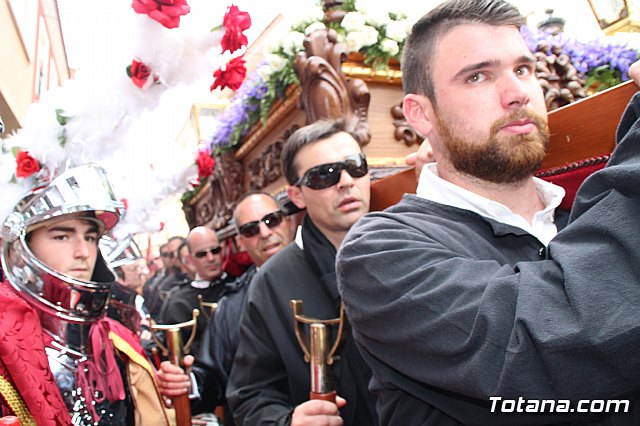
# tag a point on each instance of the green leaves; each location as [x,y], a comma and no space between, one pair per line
[63,120]
[602,77]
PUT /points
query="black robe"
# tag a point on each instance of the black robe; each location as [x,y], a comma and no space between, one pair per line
[181,301]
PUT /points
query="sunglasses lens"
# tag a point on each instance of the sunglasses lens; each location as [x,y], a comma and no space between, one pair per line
[326,175]
[213,250]
[356,168]
[273,219]
[250,229]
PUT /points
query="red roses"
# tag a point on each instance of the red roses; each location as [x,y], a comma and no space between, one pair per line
[26,165]
[140,74]
[230,76]
[235,23]
[167,12]
[205,164]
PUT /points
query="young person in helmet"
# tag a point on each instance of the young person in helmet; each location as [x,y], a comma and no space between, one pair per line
[61,360]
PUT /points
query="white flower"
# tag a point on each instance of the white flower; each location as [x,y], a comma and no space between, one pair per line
[264,71]
[377,17]
[353,21]
[313,27]
[397,30]
[355,41]
[307,16]
[273,44]
[400,14]
[275,62]
[370,35]
[293,42]
[389,46]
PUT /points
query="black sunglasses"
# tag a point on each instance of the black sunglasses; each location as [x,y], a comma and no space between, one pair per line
[213,250]
[168,254]
[326,175]
[251,229]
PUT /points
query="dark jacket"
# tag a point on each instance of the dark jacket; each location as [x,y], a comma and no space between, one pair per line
[218,347]
[182,300]
[269,375]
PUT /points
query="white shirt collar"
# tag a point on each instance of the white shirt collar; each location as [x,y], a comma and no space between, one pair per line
[200,283]
[298,239]
[432,187]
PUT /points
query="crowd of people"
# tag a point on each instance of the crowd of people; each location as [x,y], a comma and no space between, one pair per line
[476,290]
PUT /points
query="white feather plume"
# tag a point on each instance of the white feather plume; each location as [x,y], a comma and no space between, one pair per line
[112,122]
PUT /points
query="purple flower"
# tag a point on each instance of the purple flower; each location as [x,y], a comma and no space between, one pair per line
[586,57]
[242,113]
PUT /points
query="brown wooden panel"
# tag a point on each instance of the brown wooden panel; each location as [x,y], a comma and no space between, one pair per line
[587,128]
[389,190]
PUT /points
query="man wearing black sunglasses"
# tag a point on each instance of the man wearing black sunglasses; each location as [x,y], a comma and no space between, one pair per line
[262,231]
[205,254]
[270,381]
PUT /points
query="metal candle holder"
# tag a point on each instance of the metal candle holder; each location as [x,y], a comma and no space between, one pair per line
[317,351]
[174,351]
[207,308]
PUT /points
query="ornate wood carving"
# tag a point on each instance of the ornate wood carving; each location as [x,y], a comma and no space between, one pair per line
[226,188]
[326,93]
[404,132]
[266,168]
[199,210]
[558,77]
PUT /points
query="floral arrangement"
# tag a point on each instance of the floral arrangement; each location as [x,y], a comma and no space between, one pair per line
[113,124]
[367,27]
[601,64]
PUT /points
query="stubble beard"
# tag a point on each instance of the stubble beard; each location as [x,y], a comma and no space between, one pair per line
[501,159]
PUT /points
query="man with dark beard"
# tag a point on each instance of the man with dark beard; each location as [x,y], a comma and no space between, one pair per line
[470,295]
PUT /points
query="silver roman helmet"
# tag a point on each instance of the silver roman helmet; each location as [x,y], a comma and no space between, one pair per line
[84,192]
[119,251]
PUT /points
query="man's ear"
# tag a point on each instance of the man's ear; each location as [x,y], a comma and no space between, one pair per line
[419,112]
[295,195]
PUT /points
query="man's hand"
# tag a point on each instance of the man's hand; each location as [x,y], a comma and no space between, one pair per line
[634,72]
[421,157]
[173,380]
[318,412]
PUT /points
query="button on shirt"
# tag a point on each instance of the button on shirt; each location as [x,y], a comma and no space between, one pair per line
[433,188]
